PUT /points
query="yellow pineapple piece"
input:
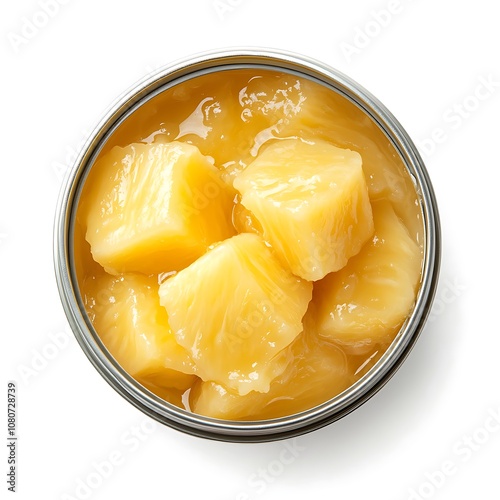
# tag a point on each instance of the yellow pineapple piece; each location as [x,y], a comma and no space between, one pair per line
[317,373]
[154,208]
[126,314]
[312,202]
[367,301]
[235,310]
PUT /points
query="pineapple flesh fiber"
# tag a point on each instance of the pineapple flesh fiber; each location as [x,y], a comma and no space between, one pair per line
[235,310]
[312,202]
[151,208]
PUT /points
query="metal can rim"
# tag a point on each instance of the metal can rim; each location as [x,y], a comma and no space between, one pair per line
[354,396]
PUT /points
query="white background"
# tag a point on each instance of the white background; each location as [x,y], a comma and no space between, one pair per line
[424,64]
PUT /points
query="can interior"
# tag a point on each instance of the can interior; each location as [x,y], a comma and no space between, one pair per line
[165,412]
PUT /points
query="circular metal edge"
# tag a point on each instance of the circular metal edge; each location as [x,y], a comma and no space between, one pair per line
[309,420]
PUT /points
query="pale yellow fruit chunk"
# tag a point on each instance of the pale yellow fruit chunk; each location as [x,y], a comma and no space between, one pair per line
[367,301]
[126,313]
[154,208]
[312,202]
[317,373]
[235,310]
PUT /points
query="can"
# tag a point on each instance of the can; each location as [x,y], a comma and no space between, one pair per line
[166,413]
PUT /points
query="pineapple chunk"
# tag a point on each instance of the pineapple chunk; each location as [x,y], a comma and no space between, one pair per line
[235,310]
[130,321]
[154,208]
[317,373]
[312,203]
[368,300]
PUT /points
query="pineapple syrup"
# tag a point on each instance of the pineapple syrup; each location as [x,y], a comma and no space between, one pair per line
[231,116]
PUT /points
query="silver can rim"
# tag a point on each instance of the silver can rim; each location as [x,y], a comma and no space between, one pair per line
[155,407]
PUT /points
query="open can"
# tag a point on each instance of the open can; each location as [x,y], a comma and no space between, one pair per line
[169,414]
